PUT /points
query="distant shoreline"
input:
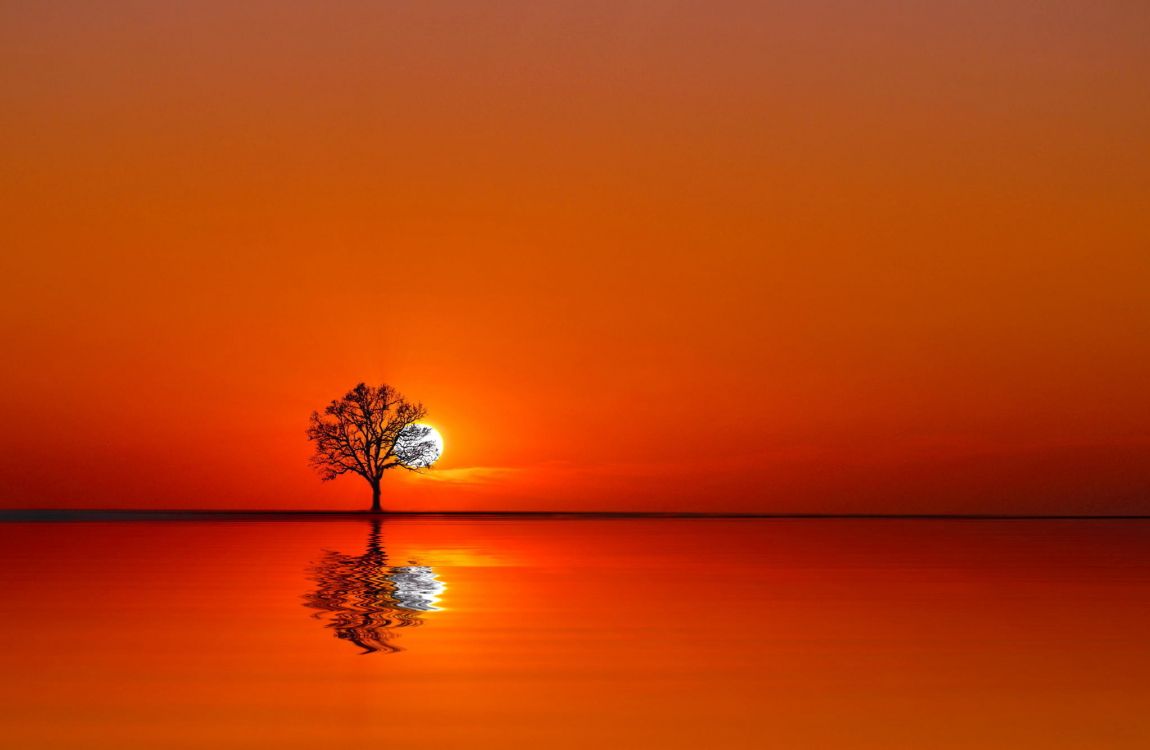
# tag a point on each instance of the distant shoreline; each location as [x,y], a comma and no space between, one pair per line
[84,515]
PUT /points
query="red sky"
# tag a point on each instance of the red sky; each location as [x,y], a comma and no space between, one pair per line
[777,256]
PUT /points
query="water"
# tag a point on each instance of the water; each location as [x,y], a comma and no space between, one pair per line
[665,633]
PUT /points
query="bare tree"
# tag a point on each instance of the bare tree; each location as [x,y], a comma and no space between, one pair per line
[367,432]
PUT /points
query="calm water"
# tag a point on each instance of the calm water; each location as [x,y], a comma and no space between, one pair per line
[473,633]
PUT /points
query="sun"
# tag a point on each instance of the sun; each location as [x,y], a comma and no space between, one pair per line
[418,446]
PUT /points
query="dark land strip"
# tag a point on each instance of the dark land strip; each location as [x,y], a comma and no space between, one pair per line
[112,514]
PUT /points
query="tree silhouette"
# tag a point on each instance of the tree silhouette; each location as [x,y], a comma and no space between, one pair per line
[369,431]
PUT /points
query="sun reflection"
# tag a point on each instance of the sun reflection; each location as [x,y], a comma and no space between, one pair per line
[366,601]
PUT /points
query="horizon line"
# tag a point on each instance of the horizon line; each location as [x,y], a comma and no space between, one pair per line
[177,514]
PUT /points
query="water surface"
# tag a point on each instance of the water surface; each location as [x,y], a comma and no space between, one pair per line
[660,633]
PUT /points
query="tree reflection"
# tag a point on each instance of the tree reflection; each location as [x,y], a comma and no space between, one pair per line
[366,601]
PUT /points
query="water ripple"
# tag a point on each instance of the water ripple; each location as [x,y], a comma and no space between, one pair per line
[366,601]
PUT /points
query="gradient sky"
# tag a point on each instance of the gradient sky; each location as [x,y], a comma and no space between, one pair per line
[729,256]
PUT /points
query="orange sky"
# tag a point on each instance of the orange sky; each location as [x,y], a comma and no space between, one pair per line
[789,256]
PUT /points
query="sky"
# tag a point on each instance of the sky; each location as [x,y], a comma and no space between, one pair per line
[798,256]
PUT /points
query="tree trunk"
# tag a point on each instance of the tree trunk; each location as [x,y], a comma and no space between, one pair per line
[375,507]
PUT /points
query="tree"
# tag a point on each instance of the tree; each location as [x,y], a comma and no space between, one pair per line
[367,432]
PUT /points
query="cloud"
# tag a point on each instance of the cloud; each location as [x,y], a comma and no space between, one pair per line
[474,474]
